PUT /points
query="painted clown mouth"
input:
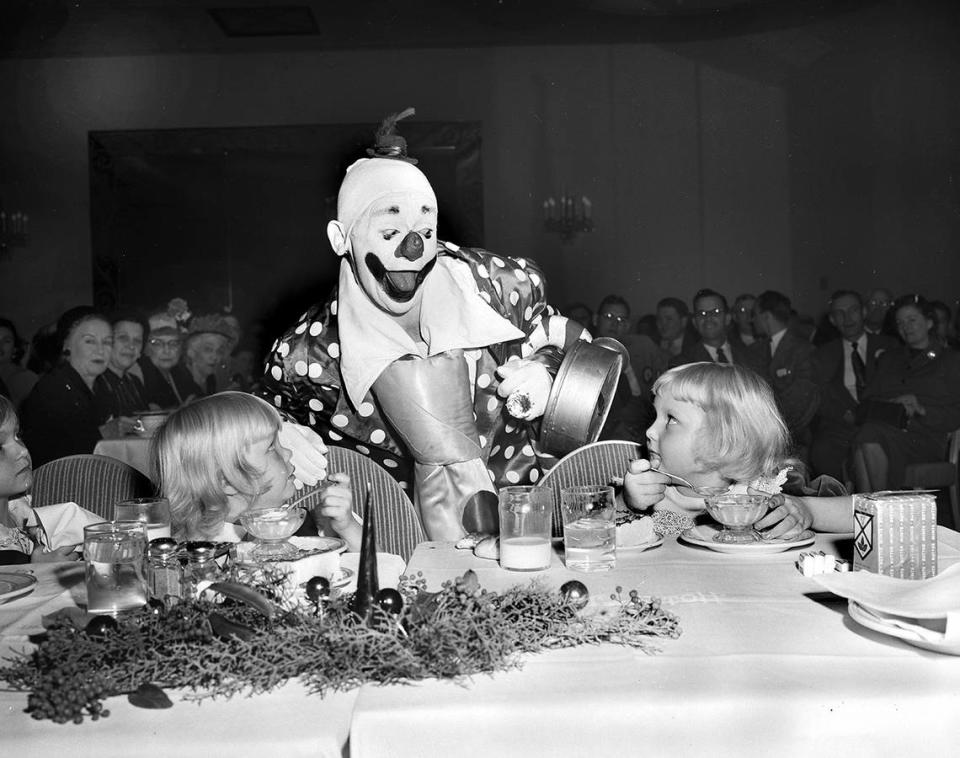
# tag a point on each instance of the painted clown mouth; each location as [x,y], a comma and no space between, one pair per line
[399,285]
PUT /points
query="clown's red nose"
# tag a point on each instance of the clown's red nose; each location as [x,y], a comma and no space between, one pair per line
[411,247]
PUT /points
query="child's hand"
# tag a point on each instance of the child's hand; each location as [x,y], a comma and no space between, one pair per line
[65,553]
[787,518]
[643,487]
[336,507]
[336,503]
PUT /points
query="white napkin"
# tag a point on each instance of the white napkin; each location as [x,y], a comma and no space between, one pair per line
[933,598]
[62,524]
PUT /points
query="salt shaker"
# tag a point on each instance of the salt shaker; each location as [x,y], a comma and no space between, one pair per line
[201,566]
[164,572]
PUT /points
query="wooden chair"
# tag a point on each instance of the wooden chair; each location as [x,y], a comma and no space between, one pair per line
[94,482]
[939,475]
[596,463]
[398,529]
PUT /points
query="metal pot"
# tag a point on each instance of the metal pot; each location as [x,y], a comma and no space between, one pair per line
[581,397]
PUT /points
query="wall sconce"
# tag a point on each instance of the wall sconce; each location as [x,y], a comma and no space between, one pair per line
[14,229]
[568,216]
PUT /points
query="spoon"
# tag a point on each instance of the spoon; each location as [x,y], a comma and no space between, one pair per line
[702,491]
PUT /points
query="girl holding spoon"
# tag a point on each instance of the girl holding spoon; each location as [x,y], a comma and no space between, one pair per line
[718,430]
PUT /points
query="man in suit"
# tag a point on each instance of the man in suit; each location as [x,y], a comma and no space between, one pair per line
[673,324]
[631,410]
[711,319]
[842,368]
[788,365]
[741,325]
[877,318]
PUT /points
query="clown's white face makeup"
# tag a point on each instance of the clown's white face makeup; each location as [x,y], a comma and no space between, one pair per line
[394,248]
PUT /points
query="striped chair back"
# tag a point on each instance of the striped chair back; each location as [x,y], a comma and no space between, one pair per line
[596,463]
[398,528]
[94,482]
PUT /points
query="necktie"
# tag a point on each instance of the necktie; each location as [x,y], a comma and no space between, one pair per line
[721,356]
[859,369]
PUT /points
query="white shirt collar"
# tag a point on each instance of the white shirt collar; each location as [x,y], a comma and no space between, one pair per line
[776,339]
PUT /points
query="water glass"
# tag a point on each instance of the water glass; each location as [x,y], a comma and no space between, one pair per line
[152,511]
[113,553]
[525,528]
[589,527]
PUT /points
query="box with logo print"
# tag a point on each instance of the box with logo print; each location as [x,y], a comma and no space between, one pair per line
[895,534]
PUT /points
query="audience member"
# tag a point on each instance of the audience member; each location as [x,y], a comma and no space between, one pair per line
[741,327]
[879,318]
[911,403]
[647,325]
[673,325]
[123,379]
[64,412]
[631,410]
[44,351]
[580,313]
[944,326]
[16,381]
[788,364]
[842,368]
[210,340]
[711,318]
[167,384]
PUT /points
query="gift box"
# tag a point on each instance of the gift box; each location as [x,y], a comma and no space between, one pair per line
[895,534]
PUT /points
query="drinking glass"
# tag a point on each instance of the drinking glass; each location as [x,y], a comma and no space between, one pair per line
[525,514]
[113,553]
[152,511]
[589,527]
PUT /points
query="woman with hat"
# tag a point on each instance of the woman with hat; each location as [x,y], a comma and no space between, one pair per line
[166,383]
[209,342]
[64,412]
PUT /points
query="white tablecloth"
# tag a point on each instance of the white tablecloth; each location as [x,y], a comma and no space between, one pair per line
[130,449]
[766,665]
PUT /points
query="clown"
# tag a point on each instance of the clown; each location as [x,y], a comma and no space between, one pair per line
[432,359]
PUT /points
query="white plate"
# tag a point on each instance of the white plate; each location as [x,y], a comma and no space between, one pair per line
[641,547]
[312,545]
[702,536]
[15,585]
[902,628]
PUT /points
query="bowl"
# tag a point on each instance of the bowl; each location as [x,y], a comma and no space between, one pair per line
[737,513]
[273,527]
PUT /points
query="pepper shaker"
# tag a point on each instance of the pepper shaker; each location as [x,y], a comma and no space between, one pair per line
[164,572]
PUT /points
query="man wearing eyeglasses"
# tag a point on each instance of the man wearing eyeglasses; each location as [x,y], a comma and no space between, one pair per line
[876,311]
[843,367]
[711,319]
[631,411]
[741,331]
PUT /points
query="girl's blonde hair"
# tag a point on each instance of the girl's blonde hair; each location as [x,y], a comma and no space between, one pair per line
[744,435]
[201,448]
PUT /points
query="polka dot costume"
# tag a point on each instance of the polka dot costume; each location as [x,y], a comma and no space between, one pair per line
[302,376]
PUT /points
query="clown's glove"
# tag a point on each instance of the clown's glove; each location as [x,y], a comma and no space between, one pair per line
[308,453]
[526,386]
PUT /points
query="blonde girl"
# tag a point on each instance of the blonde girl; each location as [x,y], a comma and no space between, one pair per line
[221,455]
[718,427]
